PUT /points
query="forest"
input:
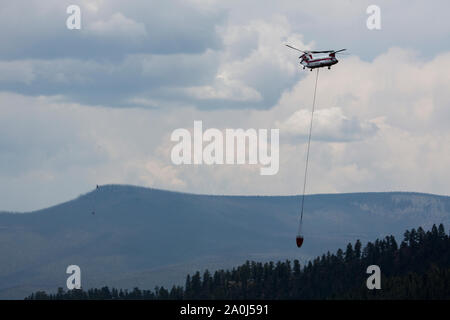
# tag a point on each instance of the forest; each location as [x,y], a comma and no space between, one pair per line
[416,268]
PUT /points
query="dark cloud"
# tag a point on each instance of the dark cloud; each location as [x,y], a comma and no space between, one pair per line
[110,83]
[159,50]
[37,30]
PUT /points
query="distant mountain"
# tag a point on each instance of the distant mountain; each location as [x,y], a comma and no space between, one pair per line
[127,236]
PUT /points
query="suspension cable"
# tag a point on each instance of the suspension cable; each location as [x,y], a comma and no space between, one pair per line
[307,152]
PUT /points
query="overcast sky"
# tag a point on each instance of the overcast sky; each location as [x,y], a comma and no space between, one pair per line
[97,105]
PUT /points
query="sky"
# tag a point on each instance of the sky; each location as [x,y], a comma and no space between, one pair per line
[80,108]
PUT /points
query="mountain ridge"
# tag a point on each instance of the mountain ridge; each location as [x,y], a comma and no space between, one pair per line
[126,186]
[135,236]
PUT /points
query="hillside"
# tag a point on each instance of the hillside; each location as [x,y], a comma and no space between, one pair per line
[416,268]
[146,237]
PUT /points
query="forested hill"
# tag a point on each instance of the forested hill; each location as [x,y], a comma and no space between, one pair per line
[416,268]
[127,236]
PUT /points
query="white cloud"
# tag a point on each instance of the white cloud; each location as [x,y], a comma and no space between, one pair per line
[252,53]
[117,26]
[381,123]
[328,124]
[92,5]
[254,64]
[16,71]
[225,89]
[371,133]
[161,173]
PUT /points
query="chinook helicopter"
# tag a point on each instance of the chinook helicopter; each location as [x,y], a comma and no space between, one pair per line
[317,59]
[312,60]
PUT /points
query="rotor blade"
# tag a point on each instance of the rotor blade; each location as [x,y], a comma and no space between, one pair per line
[339,50]
[294,48]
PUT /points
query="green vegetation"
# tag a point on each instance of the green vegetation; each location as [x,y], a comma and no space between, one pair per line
[418,268]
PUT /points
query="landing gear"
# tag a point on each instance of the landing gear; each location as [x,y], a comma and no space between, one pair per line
[303,67]
[329,67]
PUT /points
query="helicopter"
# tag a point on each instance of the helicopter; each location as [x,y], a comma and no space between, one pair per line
[317,59]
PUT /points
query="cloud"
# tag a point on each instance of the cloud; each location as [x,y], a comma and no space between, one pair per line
[232,77]
[16,72]
[225,89]
[98,106]
[254,64]
[118,26]
[107,83]
[161,173]
[34,29]
[376,129]
[329,125]
[219,55]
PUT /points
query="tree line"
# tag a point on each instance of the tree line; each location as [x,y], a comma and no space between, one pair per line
[417,268]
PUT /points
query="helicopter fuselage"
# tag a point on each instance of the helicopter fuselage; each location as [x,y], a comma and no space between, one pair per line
[312,62]
[317,59]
